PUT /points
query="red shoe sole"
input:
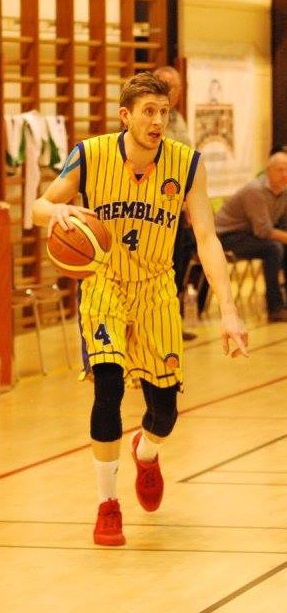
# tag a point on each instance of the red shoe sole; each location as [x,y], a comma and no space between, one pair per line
[109,541]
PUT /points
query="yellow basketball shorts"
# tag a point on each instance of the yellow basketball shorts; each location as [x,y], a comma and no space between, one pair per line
[136,325]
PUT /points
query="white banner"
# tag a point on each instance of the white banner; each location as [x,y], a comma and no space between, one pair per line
[220,113]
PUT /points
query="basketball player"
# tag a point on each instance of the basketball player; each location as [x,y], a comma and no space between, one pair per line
[176,128]
[136,182]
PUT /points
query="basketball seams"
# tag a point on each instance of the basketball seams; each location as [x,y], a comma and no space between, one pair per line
[77,252]
[99,240]
[62,240]
[76,271]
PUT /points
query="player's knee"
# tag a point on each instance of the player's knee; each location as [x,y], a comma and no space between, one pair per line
[161,413]
[164,423]
[106,423]
[160,423]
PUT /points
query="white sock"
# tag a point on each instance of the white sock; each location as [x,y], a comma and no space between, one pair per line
[147,449]
[106,479]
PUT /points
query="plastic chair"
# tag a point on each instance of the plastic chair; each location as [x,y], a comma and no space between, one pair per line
[35,297]
[241,270]
[23,299]
[45,294]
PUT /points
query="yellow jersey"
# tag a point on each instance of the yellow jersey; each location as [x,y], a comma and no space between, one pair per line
[141,212]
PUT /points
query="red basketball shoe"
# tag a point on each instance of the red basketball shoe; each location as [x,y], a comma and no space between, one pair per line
[108,528]
[149,481]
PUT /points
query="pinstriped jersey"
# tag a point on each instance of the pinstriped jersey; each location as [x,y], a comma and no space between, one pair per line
[141,212]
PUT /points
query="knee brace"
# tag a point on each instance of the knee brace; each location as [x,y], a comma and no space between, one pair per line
[161,413]
[106,422]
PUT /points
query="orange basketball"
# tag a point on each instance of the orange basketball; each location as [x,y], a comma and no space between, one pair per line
[78,252]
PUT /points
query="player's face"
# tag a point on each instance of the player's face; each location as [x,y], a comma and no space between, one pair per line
[147,121]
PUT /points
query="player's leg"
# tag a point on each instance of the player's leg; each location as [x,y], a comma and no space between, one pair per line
[157,424]
[106,434]
[105,340]
[158,351]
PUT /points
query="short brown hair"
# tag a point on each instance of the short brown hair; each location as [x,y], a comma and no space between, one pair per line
[141,84]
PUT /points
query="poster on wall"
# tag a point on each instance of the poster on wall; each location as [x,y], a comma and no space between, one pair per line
[220,113]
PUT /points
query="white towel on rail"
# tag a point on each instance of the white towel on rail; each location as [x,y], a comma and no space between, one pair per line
[36,138]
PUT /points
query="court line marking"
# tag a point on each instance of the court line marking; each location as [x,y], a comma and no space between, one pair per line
[127,549]
[196,407]
[245,588]
[248,586]
[238,456]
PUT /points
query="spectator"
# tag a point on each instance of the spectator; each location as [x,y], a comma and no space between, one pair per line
[253,224]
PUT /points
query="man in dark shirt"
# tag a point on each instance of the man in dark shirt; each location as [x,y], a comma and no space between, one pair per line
[253,224]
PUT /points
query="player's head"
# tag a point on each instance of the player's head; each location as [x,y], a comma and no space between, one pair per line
[171,76]
[140,85]
[144,109]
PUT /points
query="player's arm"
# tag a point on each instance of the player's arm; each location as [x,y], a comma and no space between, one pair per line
[214,262]
[55,204]
[208,245]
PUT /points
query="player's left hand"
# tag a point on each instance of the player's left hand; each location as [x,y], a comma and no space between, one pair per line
[234,332]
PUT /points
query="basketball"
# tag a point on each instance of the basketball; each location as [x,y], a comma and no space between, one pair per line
[77,252]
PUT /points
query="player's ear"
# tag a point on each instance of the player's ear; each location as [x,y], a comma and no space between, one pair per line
[123,113]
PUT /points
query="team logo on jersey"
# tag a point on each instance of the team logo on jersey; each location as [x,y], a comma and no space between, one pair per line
[170,187]
[172,361]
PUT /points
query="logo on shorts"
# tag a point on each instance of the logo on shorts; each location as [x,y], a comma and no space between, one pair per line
[170,187]
[172,361]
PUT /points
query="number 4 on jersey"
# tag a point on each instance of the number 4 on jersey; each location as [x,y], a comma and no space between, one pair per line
[131,240]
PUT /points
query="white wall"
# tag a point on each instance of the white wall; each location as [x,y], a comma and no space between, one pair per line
[234,28]
[210,28]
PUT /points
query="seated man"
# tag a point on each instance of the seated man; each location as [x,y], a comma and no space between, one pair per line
[253,224]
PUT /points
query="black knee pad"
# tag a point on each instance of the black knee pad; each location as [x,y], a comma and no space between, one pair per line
[161,413]
[106,423]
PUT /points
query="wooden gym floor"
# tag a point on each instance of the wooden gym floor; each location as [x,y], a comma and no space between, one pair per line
[219,540]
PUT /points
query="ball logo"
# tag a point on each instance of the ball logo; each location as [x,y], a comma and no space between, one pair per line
[172,361]
[170,188]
